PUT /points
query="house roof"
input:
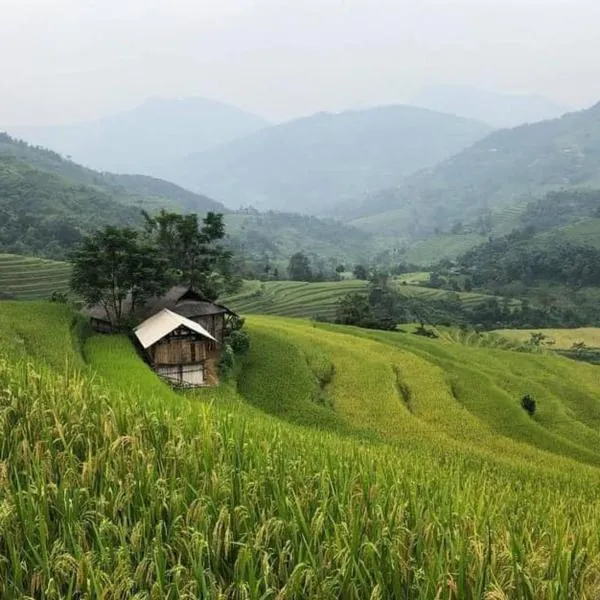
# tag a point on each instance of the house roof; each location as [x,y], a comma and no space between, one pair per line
[180,299]
[162,324]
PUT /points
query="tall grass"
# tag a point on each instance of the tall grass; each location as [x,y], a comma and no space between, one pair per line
[113,486]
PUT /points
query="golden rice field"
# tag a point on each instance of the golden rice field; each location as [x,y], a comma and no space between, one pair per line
[337,463]
[561,339]
[303,299]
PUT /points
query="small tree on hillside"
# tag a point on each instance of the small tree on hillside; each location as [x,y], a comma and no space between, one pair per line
[361,272]
[528,404]
[113,264]
[299,268]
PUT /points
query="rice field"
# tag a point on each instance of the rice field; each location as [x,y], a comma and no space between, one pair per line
[32,278]
[338,463]
[310,300]
[559,339]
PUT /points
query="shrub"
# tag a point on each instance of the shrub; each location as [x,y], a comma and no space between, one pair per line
[239,341]
[227,362]
[528,404]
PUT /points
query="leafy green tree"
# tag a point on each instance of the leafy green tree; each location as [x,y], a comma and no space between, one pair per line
[193,252]
[361,272]
[299,268]
[113,264]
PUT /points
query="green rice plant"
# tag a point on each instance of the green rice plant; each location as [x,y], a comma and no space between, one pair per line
[112,485]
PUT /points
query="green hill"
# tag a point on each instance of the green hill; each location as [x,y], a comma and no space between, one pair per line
[507,167]
[313,164]
[415,473]
[47,203]
[136,190]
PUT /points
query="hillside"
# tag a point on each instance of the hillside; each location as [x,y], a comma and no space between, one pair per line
[139,140]
[45,214]
[271,238]
[314,164]
[47,203]
[416,473]
[302,299]
[497,109]
[508,167]
[29,278]
[138,190]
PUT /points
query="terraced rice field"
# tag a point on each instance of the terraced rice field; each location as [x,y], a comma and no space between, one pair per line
[310,300]
[339,463]
[563,339]
[31,278]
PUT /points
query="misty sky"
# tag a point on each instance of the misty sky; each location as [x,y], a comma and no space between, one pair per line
[69,60]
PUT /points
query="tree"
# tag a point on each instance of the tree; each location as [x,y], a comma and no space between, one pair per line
[299,268]
[113,264]
[354,309]
[193,253]
[361,272]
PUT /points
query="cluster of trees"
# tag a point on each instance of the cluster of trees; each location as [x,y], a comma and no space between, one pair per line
[383,307]
[516,257]
[302,268]
[115,264]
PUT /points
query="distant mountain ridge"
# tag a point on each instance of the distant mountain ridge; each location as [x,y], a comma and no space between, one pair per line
[312,164]
[499,110]
[506,168]
[138,140]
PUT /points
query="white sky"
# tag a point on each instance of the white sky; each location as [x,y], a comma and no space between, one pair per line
[69,60]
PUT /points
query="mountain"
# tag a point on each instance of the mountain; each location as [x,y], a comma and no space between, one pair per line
[315,163]
[47,203]
[139,190]
[499,110]
[507,168]
[157,132]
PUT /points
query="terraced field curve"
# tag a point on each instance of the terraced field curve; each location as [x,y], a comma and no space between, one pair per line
[31,278]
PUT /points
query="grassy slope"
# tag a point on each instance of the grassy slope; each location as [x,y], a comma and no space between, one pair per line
[117,486]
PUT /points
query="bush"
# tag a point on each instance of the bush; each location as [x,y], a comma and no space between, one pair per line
[227,363]
[528,404]
[239,341]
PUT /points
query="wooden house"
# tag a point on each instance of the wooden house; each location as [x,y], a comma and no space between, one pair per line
[181,333]
[179,349]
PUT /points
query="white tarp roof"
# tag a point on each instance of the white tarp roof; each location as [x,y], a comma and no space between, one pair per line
[161,324]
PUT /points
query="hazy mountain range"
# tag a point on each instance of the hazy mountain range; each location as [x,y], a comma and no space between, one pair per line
[499,110]
[508,167]
[312,164]
[145,138]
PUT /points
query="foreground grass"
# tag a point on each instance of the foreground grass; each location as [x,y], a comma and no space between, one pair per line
[113,486]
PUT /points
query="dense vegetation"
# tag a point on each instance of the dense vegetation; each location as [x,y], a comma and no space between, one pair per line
[313,164]
[47,203]
[263,243]
[431,482]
